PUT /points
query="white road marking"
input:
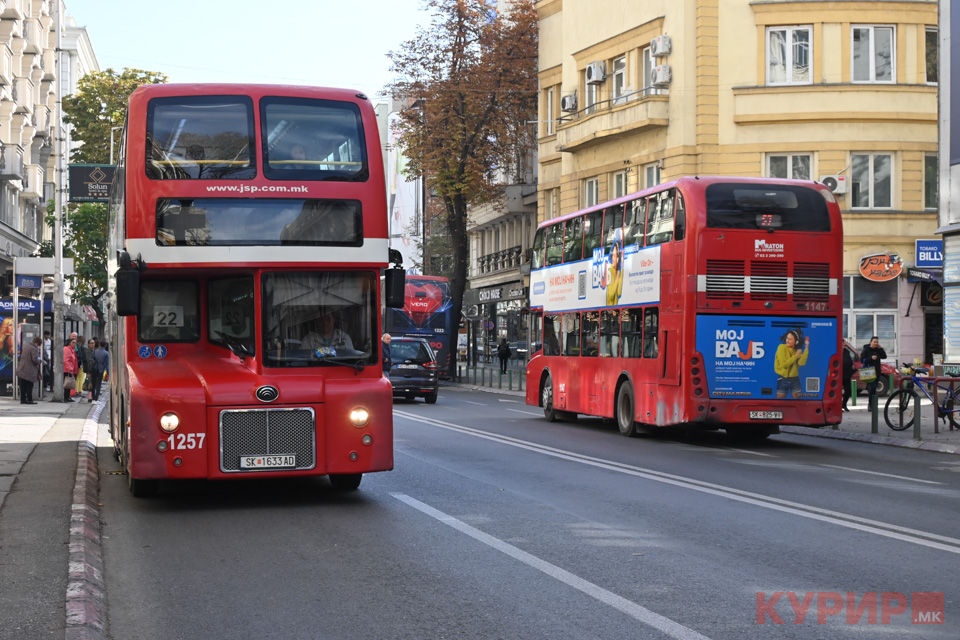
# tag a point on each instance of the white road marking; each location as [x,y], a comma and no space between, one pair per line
[877,473]
[526,413]
[476,403]
[887,530]
[503,400]
[642,614]
[753,453]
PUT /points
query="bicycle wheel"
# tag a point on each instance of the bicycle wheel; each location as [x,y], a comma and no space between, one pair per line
[899,410]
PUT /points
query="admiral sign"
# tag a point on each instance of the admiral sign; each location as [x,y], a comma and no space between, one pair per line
[881,267]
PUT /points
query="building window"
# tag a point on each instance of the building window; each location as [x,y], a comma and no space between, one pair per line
[873,54]
[651,175]
[591,192]
[551,204]
[619,77]
[930,171]
[619,182]
[648,65]
[932,46]
[870,309]
[872,184]
[592,96]
[548,116]
[788,55]
[792,166]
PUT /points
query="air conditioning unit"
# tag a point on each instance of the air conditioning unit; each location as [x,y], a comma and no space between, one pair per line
[660,46]
[662,75]
[836,184]
[596,72]
[568,103]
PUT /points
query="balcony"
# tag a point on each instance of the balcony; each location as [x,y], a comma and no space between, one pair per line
[602,122]
[13,9]
[24,94]
[32,181]
[499,260]
[31,33]
[11,162]
[6,65]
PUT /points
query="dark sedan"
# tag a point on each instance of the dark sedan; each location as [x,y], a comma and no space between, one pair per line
[414,369]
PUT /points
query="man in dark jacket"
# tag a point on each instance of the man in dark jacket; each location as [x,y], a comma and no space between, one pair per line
[101,360]
[871,356]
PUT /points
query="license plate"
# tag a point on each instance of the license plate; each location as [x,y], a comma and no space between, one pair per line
[766,415]
[268,462]
[406,366]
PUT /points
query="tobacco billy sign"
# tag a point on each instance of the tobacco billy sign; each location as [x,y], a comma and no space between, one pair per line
[881,267]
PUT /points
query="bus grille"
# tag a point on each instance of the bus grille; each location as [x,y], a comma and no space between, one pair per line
[726,279]
[811,282]
[768,280]
[255,432]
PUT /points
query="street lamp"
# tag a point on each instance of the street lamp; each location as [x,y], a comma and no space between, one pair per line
[112,129]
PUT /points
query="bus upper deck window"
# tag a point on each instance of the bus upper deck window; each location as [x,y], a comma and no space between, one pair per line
[308,139]
[200,138]
[634,220]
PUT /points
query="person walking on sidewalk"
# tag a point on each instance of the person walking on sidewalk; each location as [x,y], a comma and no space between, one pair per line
[89,367]
[28,369]
[503,352]
[80,347]
[101,360]
[848,370]
[70,368]
[871,356]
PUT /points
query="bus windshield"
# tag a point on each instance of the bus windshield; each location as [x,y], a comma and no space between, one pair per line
[314,319]
[768,207]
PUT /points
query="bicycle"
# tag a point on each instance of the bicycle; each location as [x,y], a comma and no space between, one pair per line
[899,411]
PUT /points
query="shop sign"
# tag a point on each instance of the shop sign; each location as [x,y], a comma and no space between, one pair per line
[90,182]
[881,267]
[488,295]
[931,294]
[930,254]
[919,275]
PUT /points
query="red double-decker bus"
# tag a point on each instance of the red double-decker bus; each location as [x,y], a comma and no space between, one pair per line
[708,301]
[248,237]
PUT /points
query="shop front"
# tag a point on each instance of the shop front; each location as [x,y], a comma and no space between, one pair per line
[494,313]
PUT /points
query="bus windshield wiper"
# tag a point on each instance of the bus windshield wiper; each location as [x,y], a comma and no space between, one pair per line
[233,343]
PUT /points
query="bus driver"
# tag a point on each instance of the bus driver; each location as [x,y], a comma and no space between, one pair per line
[329,335]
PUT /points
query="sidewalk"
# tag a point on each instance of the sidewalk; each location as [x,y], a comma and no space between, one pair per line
[856,423]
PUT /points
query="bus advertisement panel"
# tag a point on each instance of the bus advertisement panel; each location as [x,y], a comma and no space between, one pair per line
[766,357]
[427,313]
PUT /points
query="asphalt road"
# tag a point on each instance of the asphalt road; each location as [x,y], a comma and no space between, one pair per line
[497,524]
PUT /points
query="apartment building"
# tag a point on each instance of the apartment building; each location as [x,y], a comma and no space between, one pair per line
[637,93]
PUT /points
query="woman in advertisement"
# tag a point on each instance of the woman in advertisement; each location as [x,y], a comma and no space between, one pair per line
[615,279]
[787,362]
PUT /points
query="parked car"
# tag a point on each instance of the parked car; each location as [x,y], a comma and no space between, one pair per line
[519,349]
[883,382]
[414,369]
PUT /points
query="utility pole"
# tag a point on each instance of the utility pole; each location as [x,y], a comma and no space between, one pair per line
[58,293]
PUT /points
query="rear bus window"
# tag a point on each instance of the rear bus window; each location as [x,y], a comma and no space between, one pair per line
[770,207]
[200,138]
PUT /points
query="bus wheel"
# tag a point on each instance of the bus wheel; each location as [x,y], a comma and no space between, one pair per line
[546,399]
[345,481]
[625,411]
[142,488]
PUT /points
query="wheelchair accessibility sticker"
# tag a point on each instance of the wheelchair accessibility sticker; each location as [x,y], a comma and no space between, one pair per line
[144,351]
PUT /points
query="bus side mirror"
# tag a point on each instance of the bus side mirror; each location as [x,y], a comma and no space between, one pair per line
[394,288]
[128,287]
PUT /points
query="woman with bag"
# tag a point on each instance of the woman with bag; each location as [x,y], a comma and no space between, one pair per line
[70,369]
[28,369]
[871,356]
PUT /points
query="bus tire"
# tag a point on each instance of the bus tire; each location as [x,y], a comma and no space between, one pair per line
[625,411]
[345,481]
[546,400]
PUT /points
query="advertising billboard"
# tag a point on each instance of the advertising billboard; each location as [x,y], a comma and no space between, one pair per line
[766,357]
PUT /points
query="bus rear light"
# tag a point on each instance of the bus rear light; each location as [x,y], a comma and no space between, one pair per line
[696,382]
[695,371]
[698,391]
[359,417]
[367,439]
[169,422]
[354,456]
[694,360]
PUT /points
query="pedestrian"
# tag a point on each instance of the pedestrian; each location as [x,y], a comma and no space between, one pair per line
[80,347]
[70,369]
[28,369]
[89,368]
[871,356]
[386,339]
[848,370]
[101,359]
[503,352]
[47,361]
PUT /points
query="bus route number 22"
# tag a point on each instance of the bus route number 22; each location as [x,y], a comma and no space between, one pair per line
[167,316]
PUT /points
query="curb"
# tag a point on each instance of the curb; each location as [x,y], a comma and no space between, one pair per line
[923,445]
[86,592]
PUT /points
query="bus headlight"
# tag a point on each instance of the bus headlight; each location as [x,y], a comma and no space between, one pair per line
[169,422]
[359,417]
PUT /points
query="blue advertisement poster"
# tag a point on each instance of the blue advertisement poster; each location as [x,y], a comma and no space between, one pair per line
[766,357]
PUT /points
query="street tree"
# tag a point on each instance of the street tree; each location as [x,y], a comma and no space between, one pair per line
[99,104]
[469,83]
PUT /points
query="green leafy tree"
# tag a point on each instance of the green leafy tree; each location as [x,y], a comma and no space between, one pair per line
[470,80]
[100,104]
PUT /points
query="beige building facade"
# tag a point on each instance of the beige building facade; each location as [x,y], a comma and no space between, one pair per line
[633,94]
